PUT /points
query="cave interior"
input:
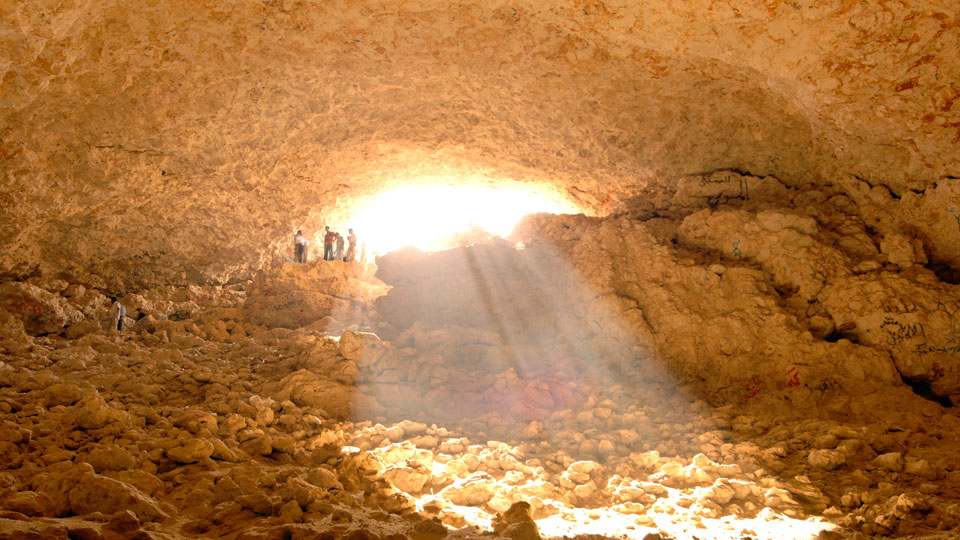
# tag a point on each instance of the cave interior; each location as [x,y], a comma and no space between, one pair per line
[621,269]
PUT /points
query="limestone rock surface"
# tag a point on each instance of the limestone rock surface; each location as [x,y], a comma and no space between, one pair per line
[298,295]
[39,311]
[755,316]
[149,144]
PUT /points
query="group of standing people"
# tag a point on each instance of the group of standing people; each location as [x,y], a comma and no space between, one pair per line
[332,246]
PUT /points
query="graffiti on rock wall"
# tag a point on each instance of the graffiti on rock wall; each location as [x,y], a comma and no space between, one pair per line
[751,387]
[23,304]
[897,306]
[736,250]
[952,348]
[898,332]
[793,377]
[741,191]
[937,370]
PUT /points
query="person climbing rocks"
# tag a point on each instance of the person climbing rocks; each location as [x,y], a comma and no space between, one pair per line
[351,247]
[339,241]
[117,313]
[299,247]
[328,240]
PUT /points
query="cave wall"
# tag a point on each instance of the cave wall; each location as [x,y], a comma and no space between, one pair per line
[177,142]
[783,297]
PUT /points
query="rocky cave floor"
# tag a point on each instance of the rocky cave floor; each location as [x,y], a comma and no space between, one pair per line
[203,424]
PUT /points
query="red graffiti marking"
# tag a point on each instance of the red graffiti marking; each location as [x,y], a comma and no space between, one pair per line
[752,387]
[937,370]
[23,304]
[793,377]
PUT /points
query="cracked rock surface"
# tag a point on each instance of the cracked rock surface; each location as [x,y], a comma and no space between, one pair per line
[618,375]
[175,142]
[752,330]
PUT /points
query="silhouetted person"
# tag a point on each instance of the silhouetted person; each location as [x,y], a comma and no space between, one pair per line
[299,248]
[117,313]
[352,247]
[339,241]
[328,240]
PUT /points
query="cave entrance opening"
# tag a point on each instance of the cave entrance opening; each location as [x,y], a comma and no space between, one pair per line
[438,216]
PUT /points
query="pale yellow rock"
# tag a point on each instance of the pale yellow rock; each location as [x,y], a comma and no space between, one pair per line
[40,311]
[323,478]
[770,232]
[474,490]
[891,461]
[408,479]
[110,457]
[97,493]
[826,459]
[290,512]
[191,451]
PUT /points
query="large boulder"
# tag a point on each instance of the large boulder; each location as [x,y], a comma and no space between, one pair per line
[294,295]
[738,332]
[96,493]
[93,412]
[361,347]
[41,312]
[308,389]
[915,318]
[783,244]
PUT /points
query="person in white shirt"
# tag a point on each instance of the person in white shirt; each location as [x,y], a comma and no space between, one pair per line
[117,313]
[299,248]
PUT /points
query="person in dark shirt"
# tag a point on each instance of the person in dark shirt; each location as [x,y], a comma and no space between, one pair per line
[328,240]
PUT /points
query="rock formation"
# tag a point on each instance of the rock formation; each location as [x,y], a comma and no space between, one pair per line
[752,330]
[169,143]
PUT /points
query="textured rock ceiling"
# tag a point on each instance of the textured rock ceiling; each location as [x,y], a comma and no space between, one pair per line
[170,141]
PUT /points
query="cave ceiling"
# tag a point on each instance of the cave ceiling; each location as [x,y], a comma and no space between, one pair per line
[172,141]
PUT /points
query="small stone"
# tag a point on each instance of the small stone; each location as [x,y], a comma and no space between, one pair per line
[919,467]
[29,503]
[911,502]
[412,428]
[586,467]
[671,469]
[323,478]
[394,433]
[476,489]
[191,451]
[826,459]
[110,458]
[290,512]
[892,461]
[646,460]
[407,479]
[95,493]
[257,503]
[517,523]
[721,493]
[222,452]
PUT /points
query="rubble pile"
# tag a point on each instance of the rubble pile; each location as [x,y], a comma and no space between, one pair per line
[734,372]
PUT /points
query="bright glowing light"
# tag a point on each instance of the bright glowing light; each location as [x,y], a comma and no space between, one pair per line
[442,216]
